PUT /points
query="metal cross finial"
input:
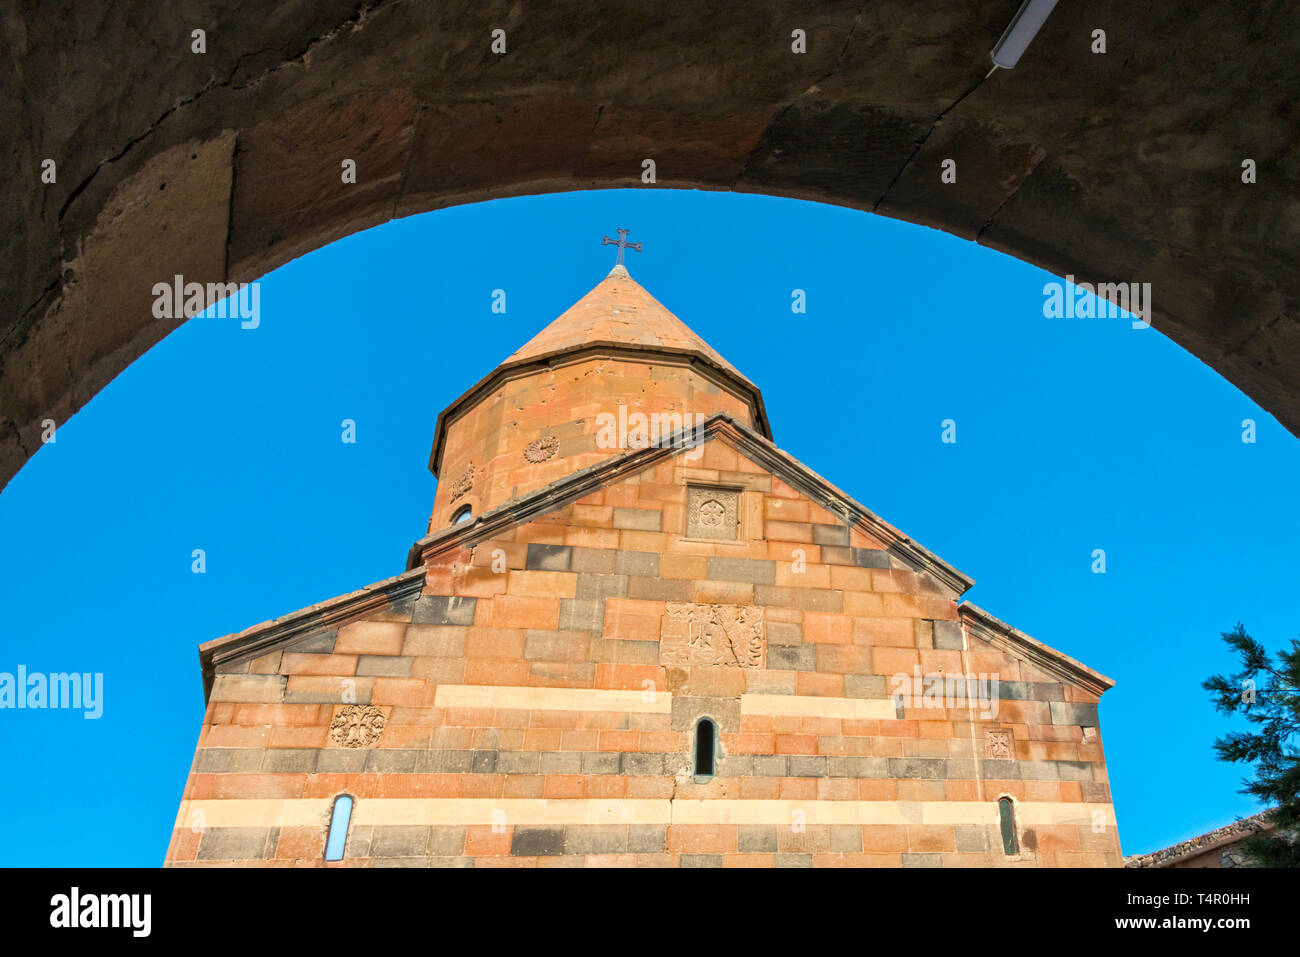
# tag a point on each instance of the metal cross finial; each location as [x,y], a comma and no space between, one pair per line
[621,243]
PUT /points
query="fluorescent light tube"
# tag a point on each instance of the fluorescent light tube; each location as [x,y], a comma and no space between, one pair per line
[1024,26]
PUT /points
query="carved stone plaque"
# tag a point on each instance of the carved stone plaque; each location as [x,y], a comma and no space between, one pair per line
[732,636]
[463,484]
[357,726]
[712,512]
[997,744]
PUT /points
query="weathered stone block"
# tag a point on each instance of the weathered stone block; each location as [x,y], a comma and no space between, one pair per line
[948,636]
[972,839]
[932,769]
[519,762]
[809,766]
[634,762]
[537,842]
[647,838]
[830,535]
[797,658]
[341,761]
[1083,714]
[551,558]
[846,838]
[391,761]
[864,686]
[238,843]
[594,586]
[596,839]
[227,760]
[392,666]
[399,841]
[923,860]
[445,761]
[645,564]
[756,839]
[585,614]
[289,760]
[871,558]
[751,570]
[443,610]
[639,519]
[600,762]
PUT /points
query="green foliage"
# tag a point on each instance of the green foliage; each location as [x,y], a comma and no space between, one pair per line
[1267,694]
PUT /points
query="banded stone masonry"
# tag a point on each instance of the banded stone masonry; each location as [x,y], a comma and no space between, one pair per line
[528,692]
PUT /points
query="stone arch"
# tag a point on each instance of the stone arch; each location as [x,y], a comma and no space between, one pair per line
[223,165]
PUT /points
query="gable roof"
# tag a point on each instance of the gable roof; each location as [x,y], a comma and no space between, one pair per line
[758,448]
[335,612]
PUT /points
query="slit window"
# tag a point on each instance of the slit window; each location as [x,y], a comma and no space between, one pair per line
[1007,818]
[338,835]
[705,737]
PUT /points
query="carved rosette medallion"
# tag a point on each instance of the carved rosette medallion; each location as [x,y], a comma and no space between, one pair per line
[712,512]
[357,726]
[997,744]
[463,484]
[539,450]
[731,636]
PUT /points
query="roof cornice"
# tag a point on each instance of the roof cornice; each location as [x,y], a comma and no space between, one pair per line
[604,349]
[1001,635]
[721,425]
[269,635]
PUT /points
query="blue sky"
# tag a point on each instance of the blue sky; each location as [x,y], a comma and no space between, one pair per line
[1072,435]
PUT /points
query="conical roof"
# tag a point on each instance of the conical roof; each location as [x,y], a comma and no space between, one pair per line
[617,317]
[618,310]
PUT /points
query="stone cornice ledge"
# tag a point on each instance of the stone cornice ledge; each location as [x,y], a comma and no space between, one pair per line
[755,446]
[1001,635]
[335,612]
[597,349]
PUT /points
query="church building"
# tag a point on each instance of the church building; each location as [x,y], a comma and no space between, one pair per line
[637,633]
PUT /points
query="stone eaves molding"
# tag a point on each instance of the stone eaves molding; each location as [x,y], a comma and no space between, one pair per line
[269,635]
[758,448]
[285,630]
[998,633]
[721,376]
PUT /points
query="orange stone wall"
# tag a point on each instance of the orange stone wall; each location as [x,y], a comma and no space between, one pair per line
[565,402]
[529,718]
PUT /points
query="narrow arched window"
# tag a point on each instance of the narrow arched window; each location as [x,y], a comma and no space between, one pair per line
[1007,818]
[706,734]
[463,514]
[338,835]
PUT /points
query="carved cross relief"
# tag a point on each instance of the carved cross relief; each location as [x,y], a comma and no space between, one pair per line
[712,513]
[997,743]
[357,726]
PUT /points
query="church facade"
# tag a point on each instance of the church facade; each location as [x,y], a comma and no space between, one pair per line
[637,633]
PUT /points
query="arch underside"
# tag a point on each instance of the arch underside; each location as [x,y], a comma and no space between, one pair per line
[1122,167]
